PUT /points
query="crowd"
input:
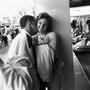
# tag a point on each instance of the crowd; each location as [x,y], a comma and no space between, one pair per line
[7,34]
[80,32]
[32,63]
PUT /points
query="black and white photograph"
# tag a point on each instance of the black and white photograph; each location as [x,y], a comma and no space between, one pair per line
[80,34]
[44,44]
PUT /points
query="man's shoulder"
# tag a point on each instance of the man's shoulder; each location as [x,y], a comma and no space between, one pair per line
[19,37]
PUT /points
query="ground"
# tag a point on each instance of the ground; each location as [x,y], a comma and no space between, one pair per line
[3,53]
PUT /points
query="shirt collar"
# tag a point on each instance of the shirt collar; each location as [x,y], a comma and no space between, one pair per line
[23,30]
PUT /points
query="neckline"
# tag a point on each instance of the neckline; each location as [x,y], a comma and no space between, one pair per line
[24,30]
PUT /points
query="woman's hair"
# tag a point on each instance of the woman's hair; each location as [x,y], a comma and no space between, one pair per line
[24,20]
[48,18]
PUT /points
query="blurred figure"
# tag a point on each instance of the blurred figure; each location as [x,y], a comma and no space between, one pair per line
[4,39]
[88,33]
[84,38]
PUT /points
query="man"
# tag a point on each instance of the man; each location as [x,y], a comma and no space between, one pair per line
[21,59]
[21,45]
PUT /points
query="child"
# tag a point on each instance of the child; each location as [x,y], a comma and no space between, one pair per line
[45,42]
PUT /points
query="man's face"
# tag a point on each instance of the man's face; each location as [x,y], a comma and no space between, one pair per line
[31,27]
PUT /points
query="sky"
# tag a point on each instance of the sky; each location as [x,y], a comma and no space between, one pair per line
[11,8]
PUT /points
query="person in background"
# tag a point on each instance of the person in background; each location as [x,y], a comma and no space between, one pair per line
[4,40]
[87,35]
[84,38]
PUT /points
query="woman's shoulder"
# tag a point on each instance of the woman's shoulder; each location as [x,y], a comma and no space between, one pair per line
[51,35]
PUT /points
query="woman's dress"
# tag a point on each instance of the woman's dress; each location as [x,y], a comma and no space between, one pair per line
[45,55]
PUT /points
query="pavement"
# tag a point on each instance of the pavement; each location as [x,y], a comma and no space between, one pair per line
[3,53]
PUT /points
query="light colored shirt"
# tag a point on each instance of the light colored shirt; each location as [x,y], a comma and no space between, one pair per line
[20,47]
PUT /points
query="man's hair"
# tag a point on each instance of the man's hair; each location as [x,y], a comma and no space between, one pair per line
[88,21]
[24,20]
[48,18]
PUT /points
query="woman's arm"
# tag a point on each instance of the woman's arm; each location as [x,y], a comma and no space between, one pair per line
[52,40]
[35,39]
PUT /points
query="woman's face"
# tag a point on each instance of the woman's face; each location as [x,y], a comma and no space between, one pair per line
[42,25]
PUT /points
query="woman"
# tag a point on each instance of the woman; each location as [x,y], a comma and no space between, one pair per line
[45,47]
